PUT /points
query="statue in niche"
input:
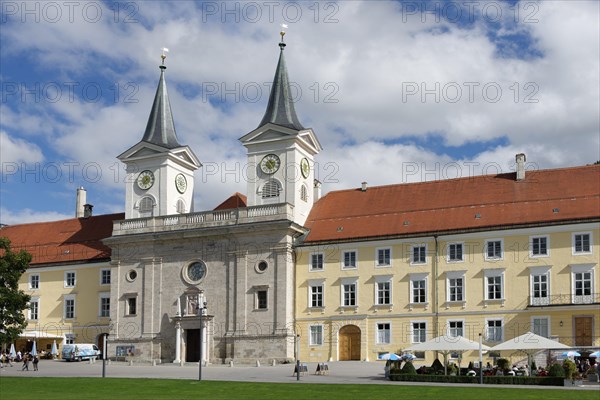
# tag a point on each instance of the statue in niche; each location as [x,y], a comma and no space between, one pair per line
[192,306]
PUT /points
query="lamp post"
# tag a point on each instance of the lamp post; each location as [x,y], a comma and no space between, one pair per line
[480,360]
[297,357]
[104,352]
[202,313]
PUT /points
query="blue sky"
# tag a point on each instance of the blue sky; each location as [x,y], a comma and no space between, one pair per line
[395,91]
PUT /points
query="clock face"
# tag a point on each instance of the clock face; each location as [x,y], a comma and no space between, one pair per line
[305,167]
[270,164]
[196,271]
[180,183]
[145,180]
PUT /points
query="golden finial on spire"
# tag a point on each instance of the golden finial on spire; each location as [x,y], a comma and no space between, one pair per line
[163,55]
[282,33]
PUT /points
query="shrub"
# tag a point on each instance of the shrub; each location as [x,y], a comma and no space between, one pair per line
[533,366]
[498,380]
[437,366]
[471,366]
[408,369]
[570,368]
[556,370]
[503,364]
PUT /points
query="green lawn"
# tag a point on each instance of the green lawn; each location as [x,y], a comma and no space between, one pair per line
[130,389]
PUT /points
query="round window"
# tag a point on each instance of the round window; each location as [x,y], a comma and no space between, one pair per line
[196,271]
[262,266]
[131,275]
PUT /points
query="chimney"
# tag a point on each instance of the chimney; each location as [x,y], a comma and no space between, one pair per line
[79,202]
[87,210]
[363,186]
[520,160]
[316,190]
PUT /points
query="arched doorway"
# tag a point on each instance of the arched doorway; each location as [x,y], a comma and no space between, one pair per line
[349,343]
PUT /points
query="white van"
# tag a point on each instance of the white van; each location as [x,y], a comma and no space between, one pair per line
[80,351]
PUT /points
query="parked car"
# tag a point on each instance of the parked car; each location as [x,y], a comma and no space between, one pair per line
[80,351]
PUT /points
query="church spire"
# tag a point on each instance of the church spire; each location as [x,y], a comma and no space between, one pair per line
[160,129]
[280,110]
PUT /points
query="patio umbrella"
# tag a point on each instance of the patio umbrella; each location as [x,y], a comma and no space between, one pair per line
[595,354]
[570,353]
[390,356]
[13,353]
[529,343]
[408,357]
[54,350]
[446,345]
[33,349]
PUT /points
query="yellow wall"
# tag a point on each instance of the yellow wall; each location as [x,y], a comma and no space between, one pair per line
[516,266]
[87,324]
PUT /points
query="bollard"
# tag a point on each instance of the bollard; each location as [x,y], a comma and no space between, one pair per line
[273,362]
[90,360]
[257,363]
[154,363]
[231,363]
[130,363]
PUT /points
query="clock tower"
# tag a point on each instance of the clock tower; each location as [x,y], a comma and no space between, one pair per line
[159,170]
[281,152]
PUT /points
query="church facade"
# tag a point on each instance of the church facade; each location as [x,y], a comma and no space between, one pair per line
[229,270]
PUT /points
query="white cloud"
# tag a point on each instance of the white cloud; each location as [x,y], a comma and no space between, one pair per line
[25,216]
[14,150]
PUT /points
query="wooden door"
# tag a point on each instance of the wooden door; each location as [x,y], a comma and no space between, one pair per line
[349,343]
[583,331]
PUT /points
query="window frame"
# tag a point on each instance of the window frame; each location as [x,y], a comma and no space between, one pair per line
[30,312]
[389,257]
[66,299]
[548,324]
[383,280]
[448,327]
[259,303]
[387,333]
[348,281]
[493,273]
[487,329]
[574,243]
[101,297]
[449,253]
[532,253]
[418,278]
[312,342]
[66,279]
[412,330]
[412,254]
[311,294]
[535,272]
[343,260]
[102,276]
[495,257]
[582,269]
[30,281]
[456,275]
[127,307]
[311,261]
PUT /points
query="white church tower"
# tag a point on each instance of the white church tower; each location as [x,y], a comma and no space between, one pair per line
[281,152]
[159,170]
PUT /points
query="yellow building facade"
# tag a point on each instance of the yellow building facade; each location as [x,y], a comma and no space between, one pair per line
[359,298]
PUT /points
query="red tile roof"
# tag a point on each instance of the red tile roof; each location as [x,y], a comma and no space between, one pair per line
[74,240]
[418,209]
[236,200]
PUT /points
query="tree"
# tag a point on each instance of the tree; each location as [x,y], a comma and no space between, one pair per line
[12,300]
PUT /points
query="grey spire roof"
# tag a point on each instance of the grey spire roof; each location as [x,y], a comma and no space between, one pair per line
[160,129]
[280,110]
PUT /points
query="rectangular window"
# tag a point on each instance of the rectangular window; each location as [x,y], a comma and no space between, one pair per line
[540,286]
[349,259]
[70,279]
[34,309]
[493,250]
[539,246]
[384,293]
[69,308]
[494,287]
[383,333]
[419,332]
[541,326]
[456,289]
[316,296]
[316,261]
[105,277]
[582,243]
[131,306]
[418,254]
[316,335]
[583,283]
[105,305]
[455,328]
[455,252]
[419,293]
[494,330]
[384,257]
[34,281]
[349,294]
[261,299]
[70,338]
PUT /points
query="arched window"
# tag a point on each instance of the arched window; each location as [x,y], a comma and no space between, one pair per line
[180,207]
[270,189]
[146,207]
[303,193]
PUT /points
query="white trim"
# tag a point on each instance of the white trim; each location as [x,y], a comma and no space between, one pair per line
[490,273]
[383,279]
[349,281]
[412,262]
[34,269]
[69,297]
[389,265]
[456,275]
[310,261]
[34,299]
[581,253]
[310,343]
[65,285]
[539,271]
[412,332]
[582,269]
[316,283]
[546,317]
[462,259]
[421,276]
[29,281]
[343,258]
[501,319]
[461,320]
[377,332]
[485,250]
[110,276]
[531,255]
[103,295]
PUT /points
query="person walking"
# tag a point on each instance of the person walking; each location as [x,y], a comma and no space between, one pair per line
[25,362]
[36,360]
